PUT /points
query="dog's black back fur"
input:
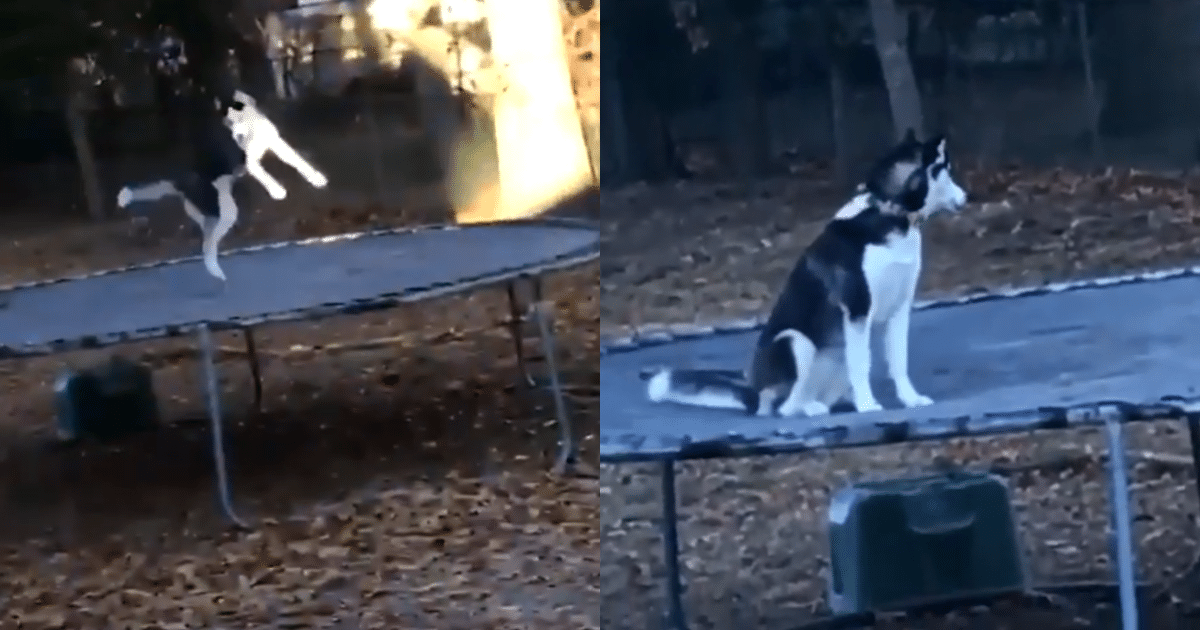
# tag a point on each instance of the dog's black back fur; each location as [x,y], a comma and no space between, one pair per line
[829,276]
[214,152]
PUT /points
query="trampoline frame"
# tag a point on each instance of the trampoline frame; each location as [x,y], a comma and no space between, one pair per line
[1111,415]
[512,278]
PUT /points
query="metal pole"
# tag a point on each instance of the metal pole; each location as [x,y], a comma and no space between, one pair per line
[255,366]
[566,434]
[1123,523]
[515,326]
[1193,423]
[670,531]
[212,389]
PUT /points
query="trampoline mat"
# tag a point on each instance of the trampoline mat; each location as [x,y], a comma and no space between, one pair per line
[285,281]
[1133,342]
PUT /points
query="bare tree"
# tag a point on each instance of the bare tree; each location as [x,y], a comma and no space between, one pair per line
[904,96]
[455,112]
[77,84]
[543,159]
[582,30]
[465,142]
[511,143]
[1148,58]
[733,38]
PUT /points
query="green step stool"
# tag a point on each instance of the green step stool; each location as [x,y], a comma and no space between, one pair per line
[901,543]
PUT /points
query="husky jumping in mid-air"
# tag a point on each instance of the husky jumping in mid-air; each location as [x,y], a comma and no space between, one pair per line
[862,270]
[227,143]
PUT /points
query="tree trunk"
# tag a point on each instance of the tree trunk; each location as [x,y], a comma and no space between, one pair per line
[614,159]
[590,120]
[465,146]
[370,42]
[543,160]
[255,72]
[652,152]
[904,96]
[638,140]
[252,46]
[76,119]
[737,60]
[834,47]
[837,121]
[1149,53]
[583,48]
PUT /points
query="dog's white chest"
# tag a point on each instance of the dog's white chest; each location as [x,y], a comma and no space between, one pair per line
[891,270]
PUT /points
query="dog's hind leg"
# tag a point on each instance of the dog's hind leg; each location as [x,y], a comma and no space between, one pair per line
[214,234]
[895,349]
[857,334]
[829,382]
[196,216]
[150,191]
[799,400]
[292,158]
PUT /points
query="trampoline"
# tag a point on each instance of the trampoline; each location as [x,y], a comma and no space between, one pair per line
[1095,353]
[299,280]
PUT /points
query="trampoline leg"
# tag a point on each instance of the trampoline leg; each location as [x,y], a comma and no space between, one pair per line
[670,531]
[255,367]
[516,329]
[567,448]
[1193,423]
[1122,524]
[213,395]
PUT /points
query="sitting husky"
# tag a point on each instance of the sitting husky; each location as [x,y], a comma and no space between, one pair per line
[861,270]
[226,146]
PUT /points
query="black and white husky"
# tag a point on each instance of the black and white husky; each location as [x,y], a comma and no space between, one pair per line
[227,144]
[862,270]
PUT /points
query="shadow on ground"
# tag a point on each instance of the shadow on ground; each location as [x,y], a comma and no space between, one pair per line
[316,441]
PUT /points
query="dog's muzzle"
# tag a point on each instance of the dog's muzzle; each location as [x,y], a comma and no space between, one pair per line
[958,198]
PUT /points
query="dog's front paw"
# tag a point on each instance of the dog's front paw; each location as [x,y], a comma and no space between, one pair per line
[815,408]
[277,192]
[870,404]
[789,408]
[915,400]
[318,180]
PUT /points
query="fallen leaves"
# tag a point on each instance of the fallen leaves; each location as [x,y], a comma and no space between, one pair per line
[442,546]
[687,252]
[453,550]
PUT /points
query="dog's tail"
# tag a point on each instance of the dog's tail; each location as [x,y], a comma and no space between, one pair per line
[713,389]
[147,192]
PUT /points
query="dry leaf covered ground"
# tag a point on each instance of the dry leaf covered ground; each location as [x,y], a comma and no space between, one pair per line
[752,531]
[397,486]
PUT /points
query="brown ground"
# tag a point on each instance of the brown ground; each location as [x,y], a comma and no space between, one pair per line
[402,486]
[752,530]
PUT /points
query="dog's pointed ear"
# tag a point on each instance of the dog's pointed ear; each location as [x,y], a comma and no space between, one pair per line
[910,137]
[934,150]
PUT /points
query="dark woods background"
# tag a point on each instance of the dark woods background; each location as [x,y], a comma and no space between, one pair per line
[94,95]
[174,46]
[745,88]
